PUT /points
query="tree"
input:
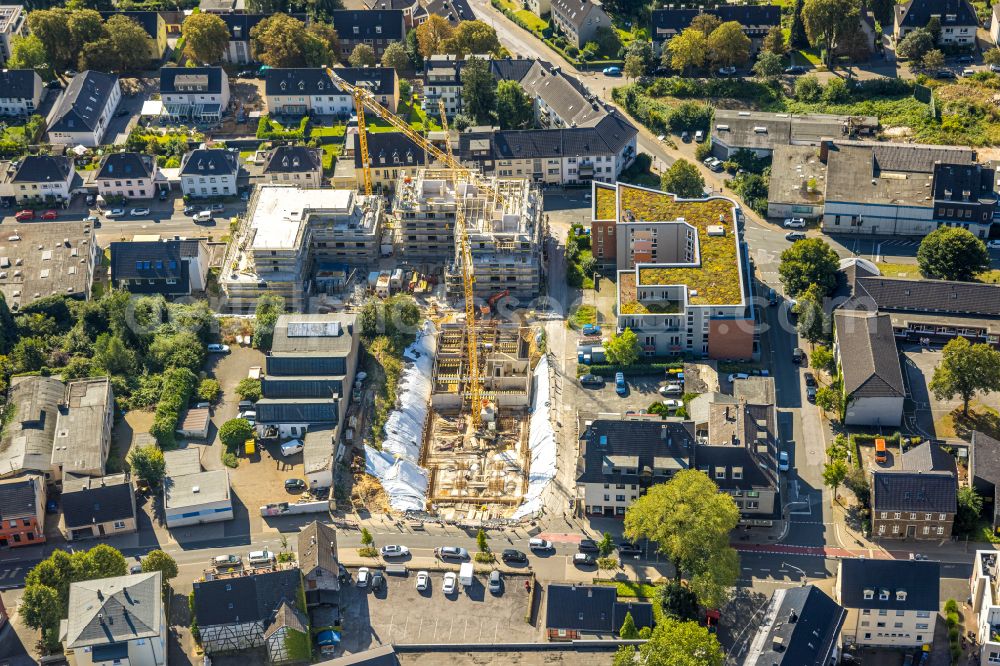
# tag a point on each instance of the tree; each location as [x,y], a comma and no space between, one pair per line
[209,390]
[915,45]
[362,56]
[675,643]
[157,560]
[808,262]
[797,37]
[431,33]
[280,41]
[51,27]
[728,46]
[27,52]
[325,37]
[40,607]
[690,521]
[395,57]
[831,399]
[623,349]
[608,42]
[635,66]
[970,505]
[933,27]
[367,539]
[479,90]
[774,41]
[100,55]
[130,40]
[686,51]
[481,541]
[515,110]
[834,473]
[827,20]
[966,368]
[992,56]
[952,253]
[933,59]
[472,37]
[269,306]
[640,55]
[206,37]
[101,561]
[705,23]
[835,91]
[813,323]
[808,89]
[822,358]
[606,545]
[628,631]
[112,356]
[147,463]
[768,66]
[684,180]
[234,432]
[249,389]
[85,26]
[678,601]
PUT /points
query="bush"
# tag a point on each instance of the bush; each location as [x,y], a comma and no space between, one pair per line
[178,385]
[951,606]
[269,130]
[607,563]
[249,389]
[658,368]
[229,459]
[209,390]
[235,432]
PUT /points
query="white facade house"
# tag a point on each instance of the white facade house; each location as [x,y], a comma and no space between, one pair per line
[985,595]
[194,93]
[209,172]
[889,603]
[192,496]
[865,349]
[42,178]
[83,111]
[20,91]
[957,18]
[129,175]
[13,23]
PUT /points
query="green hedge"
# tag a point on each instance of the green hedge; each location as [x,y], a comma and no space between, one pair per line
[178,385]
[269,130]
[659,368]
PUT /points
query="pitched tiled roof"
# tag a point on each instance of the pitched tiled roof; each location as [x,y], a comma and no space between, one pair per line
[253,598]
[86,500]
[576,11]
[928,457]
[385,24]
[209,161]
[964,182]
[287,617]
[920,580]
[126,165]
[17,498]
[608,137]
[592,609]
[916,13]
[896,490]
[169,79]
[82,103]
[651,444]
[114,610]
[804,621]
[43,169]
[387,149]
[318,548]
[753,18]
[927,296]
[18,83]
[868,355]
[713,459]
[146,260]
[379,80]
[292,159]
[455,11]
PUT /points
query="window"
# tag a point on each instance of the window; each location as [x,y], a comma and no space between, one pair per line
[928,516]
[869,594]
[898,625]
[923,613]
[940,531]
[913,516]
[895,529]
[607,498]
[883,612]
[896,515]
[619,498]
[866,611]
[119,524]
[885,515]
[940,517]
[921,626]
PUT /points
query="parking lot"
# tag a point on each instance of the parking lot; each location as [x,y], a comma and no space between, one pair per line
[402,614]
[642,392]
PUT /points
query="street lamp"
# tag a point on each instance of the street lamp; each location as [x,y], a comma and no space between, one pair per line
[805,578]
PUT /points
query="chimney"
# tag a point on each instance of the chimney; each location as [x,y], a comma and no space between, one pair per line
[824,149]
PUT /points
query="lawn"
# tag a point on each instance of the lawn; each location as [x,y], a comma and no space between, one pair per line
[331,151]
[533,22]
[629,588]
[323,130]
[417,117]
[585,314]
[911,272]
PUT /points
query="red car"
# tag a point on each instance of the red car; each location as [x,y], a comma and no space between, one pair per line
[25,215]
[50,215]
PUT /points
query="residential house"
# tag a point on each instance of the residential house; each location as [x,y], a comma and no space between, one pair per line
[410,9]
[317,550]
[453,11]
[984,473]
[168,267]
[666,251]
[116,620]
[756,21]
[761,132]
[82,438]
[26,442]
[294,165]
[957,18]
[81,114]
[995,25]
[20,91]
[578,20]
[865,349]
[65,265]
[801,625]
[984,597]
[391,156]
[153,24]
[13,23]
[376,28]
[22,511]
[199,94]
[127,175]
[621,460]
[209,172]
[889,603]
[575,612]
[301,90]
[381,82]
[39,179]
[309,373]
[97,507]
[917,498]
[191,495]
[234,612]
[194,423]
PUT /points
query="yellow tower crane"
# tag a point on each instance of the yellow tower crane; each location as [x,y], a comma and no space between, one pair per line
[366,170]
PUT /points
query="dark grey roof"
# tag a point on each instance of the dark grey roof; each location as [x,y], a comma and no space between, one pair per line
[608,137]
[17,498]
[984,468]
[897,490]
[325,334]
[296,410]
[209,161]
[925,296]
[146,260]
[317,547]
[964,182]
[753,18]
[919,579]
[916,13]
[868,355]
[592,609]
[379,80]
[147,20]
[241,599]
[388,149]
[43,169]
[389,20]
[126,165]
[86,500]
[390,4]
[801,626]
[289,617]
[82,103]
[27,440]
[455,11]
[713,459]
[315,80]
[168,79]
[293,159]
[18,83]
[928,457]
[669,441]
[577,12]
[112,610]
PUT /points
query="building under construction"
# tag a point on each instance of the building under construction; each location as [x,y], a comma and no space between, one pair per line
[479,473]
[503,218]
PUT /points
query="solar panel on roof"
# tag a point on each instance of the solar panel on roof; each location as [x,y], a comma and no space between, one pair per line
[313,329]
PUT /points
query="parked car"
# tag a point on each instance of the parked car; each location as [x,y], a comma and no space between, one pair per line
[584,560]
[798,355]
[795,70]
[810,379]
[215,348]
[115,212]
[423,580]
[511,555]
[496,582]
[122,113]
[250,416]
[50,215]
[727,71]
[588,546]
[793,236]
[628,549]
[621,388]
[967,72]
[715,165]
[772,296]
[945,74]
[671,389]
[783,461]
[673,403]
[24,215]
[394,551]
[378,581]
[699,136]
[591,330]
[539,544]
[686,136]
[993,244]
[794,223]
[89,199]
[291,447]
[139,212]
[364,577]
[217,208]
[738,375]
[592,380]
[226,561]
[203,216]
[452,553]
[163,195]
[292,485]
[811,393]
[965,59]
[135,568]
[995,68]
[611,71]
[190,210]
[450,581]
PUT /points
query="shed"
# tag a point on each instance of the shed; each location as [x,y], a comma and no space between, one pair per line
[195,424]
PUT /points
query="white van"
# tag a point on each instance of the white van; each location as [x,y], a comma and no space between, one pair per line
[259,558]
[539,544]
[699,136]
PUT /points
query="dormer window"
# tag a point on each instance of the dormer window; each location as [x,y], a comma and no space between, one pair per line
[357,30]
[284,85]
[302,85]
[378,30]
[900,595]
[883,595]
[869,593]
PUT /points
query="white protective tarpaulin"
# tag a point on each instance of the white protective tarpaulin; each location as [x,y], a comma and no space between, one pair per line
[541,441]
[395,466]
